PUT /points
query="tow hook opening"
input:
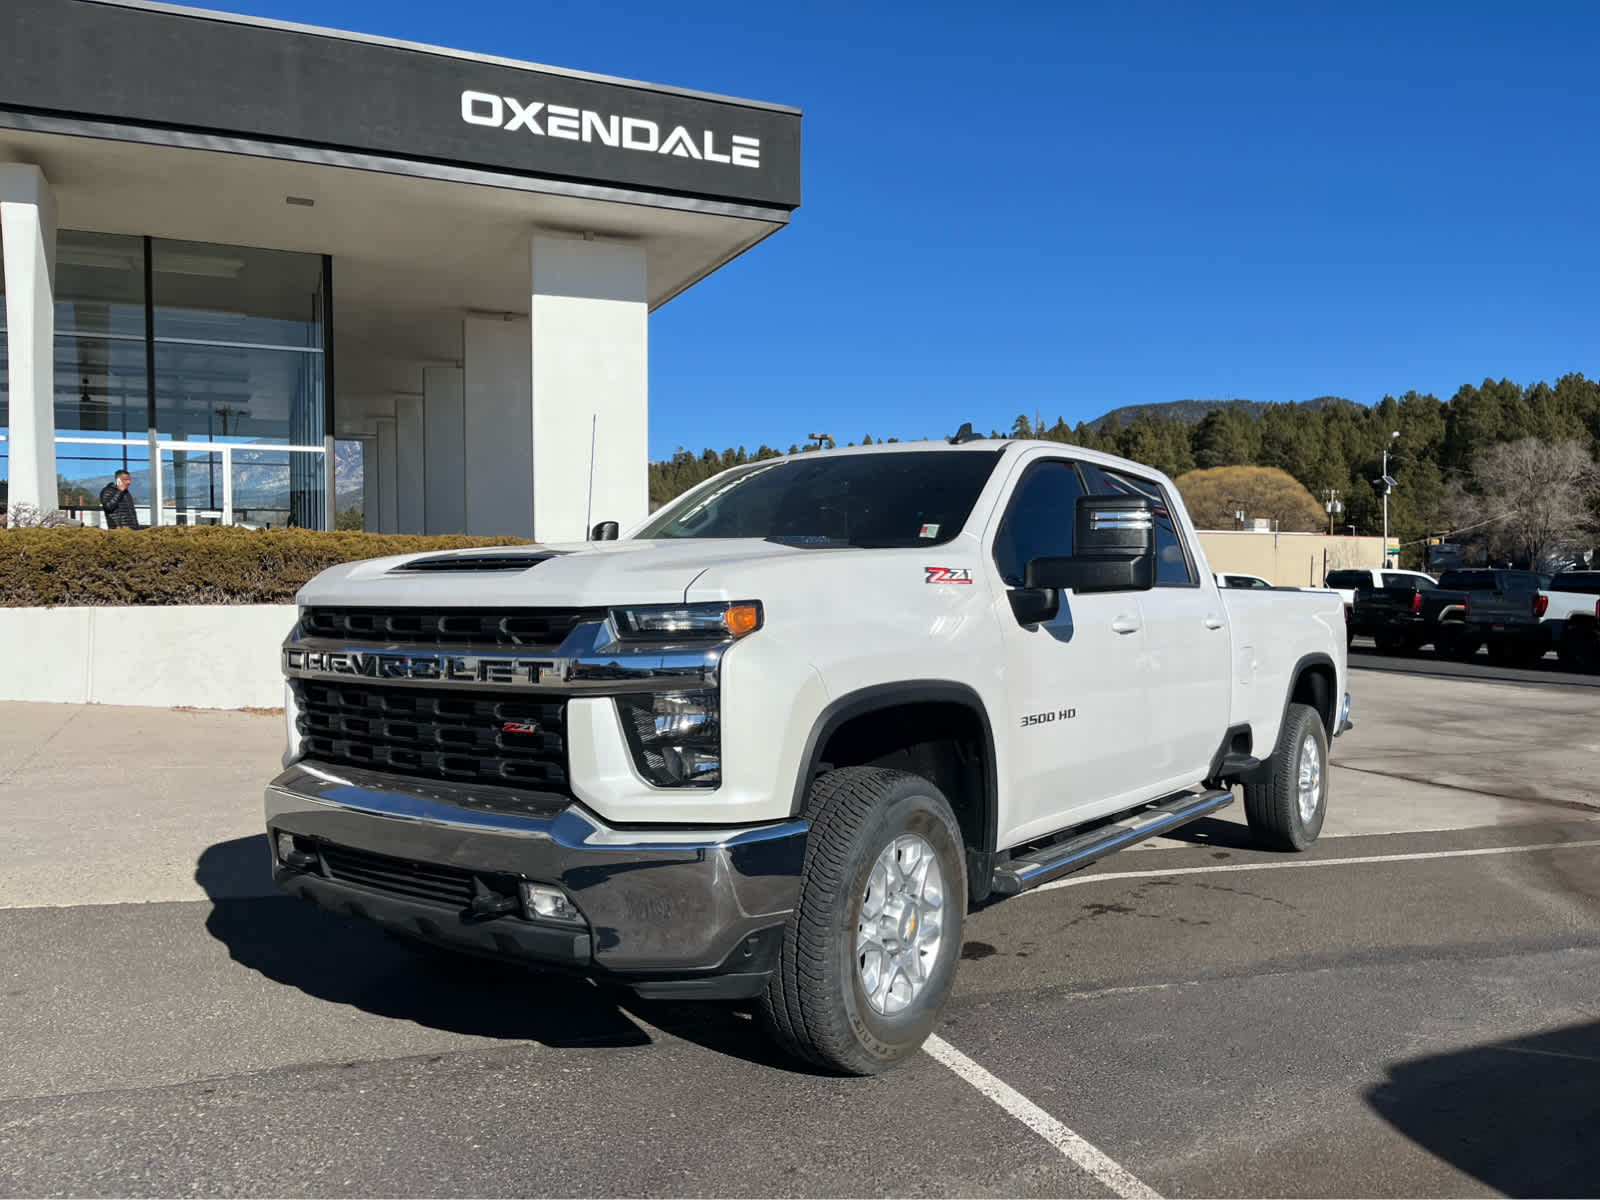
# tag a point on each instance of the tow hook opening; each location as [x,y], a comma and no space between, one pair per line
[493,899]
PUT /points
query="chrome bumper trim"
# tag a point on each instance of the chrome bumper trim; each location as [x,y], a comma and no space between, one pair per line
[677,899]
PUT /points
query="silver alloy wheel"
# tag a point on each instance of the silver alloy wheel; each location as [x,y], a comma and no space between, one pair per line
[1310,787]
[901,926]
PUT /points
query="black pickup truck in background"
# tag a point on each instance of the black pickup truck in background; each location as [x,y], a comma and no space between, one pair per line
[1410,613]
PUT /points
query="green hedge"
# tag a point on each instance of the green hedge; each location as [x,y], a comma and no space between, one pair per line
[205,564]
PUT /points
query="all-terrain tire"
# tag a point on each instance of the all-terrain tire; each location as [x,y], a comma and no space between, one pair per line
[1274,808]
[815,1003]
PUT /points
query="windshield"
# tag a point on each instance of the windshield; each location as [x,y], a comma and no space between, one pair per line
[907,498]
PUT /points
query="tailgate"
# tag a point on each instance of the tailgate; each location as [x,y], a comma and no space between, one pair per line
[1501,608]
[1378,604]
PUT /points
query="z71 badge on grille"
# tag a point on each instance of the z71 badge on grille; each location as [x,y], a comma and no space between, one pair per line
[520,727]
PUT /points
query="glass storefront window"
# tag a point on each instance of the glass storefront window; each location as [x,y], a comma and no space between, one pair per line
[100,387]
[99,285]
[233,294]
[238,394]
[234,342]
[278,487]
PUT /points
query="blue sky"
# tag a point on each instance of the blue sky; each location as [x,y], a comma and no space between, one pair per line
[1066,207]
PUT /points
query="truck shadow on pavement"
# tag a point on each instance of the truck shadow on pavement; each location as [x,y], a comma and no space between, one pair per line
[1520,1116]
[343,960]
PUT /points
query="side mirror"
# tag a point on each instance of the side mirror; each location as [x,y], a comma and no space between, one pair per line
[1114,549]
[605,531]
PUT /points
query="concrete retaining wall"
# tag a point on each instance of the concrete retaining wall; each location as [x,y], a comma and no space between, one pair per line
[200,656]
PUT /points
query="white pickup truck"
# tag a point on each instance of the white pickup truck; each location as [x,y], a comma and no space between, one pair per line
[774,741]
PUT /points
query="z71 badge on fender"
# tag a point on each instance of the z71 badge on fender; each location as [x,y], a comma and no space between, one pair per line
[948,574]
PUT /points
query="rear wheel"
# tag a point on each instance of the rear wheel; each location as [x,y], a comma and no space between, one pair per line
[870,952]
[1392,643]
[1287,810]
[1579,648]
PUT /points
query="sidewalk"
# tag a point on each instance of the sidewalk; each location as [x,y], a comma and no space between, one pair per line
[104,805]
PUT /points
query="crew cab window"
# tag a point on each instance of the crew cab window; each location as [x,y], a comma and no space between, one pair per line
[1349,579]
[1420,582]
[1173,568]
[1583,582]
[1039,520]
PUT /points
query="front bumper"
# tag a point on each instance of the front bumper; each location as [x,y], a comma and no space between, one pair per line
[681,912]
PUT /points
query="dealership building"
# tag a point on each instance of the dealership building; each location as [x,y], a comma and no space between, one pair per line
[232,245]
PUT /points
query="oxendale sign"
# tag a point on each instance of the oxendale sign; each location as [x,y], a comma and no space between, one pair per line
[625,133]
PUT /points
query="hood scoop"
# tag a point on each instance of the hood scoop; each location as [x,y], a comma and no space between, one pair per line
[472,562]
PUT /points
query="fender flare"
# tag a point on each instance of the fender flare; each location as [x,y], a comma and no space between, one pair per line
[879,697]
[1306,663]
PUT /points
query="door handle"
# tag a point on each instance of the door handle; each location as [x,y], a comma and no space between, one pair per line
[1213,621]
[1126,624]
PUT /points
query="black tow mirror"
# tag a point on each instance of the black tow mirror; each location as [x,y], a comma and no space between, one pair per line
[605,531]
[1114,549]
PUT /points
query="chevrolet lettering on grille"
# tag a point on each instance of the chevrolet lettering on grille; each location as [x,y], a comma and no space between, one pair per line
[432,668]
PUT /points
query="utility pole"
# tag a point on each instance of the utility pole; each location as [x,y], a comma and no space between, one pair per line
[1388,486]
[1332,505]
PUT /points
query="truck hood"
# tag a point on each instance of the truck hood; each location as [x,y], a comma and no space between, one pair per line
[559,574]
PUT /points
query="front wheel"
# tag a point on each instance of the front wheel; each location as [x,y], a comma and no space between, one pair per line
[869,955]
[1286,812]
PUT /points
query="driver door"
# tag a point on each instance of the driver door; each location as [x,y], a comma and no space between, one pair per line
[1076,686]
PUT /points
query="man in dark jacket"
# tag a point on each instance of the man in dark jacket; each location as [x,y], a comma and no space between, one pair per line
[118,504]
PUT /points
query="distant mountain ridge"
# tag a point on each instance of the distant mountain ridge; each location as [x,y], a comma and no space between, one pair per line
[1192,412]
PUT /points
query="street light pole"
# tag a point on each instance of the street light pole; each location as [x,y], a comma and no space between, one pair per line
[1385,474]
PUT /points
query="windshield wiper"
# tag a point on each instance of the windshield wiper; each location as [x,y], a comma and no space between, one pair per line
[807,541]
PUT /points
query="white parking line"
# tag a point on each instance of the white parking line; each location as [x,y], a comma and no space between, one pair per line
[1090,1158]
[1219,868]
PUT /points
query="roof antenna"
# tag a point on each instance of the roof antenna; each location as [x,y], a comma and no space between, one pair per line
[965,434]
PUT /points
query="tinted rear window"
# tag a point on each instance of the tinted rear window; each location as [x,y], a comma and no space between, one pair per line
[1467,581]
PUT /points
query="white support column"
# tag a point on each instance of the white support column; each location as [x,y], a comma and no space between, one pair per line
[444,451]
[409,484]
[28,231]
[497,432]
[388,507]
[590,353]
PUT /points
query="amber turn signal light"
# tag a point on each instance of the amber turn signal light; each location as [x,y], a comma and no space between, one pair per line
[742,619]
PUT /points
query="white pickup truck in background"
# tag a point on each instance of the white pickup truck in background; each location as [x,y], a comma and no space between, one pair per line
[774,741]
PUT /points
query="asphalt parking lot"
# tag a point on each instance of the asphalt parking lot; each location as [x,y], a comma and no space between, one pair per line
[1410,1009]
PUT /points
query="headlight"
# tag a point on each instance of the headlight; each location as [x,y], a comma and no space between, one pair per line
[687,622]
[675,737]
